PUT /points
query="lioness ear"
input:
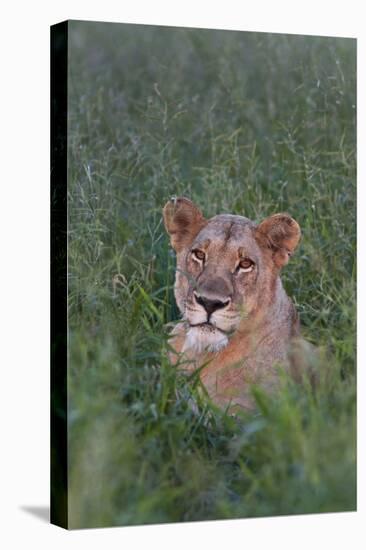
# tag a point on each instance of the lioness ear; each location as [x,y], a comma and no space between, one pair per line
[281,233]
[183,221]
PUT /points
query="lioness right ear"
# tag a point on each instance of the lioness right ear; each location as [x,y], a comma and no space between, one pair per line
[183,221]
[281,234]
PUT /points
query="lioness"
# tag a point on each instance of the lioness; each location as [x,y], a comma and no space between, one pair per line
[237,319]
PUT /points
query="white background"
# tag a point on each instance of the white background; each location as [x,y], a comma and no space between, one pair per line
[24,271]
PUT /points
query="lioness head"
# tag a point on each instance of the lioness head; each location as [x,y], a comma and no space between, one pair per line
[227,269]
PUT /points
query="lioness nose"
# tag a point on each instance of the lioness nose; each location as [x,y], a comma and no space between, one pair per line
[209,304]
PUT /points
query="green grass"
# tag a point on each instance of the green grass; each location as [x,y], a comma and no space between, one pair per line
[245,123]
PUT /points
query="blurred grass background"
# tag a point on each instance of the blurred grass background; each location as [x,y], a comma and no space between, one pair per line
[246,123]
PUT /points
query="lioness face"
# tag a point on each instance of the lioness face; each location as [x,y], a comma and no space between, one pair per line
[227,269]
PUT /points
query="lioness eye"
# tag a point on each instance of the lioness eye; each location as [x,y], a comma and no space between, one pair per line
[198,254]
[246,265]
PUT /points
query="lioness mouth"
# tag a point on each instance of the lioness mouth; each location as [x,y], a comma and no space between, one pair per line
[210,326]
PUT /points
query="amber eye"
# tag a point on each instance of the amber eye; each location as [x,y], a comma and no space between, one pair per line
[246,265]
[198,255]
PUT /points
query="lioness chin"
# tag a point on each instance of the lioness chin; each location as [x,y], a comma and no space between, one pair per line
[237,321]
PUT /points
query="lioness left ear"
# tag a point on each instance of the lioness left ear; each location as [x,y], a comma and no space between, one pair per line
[281,233]
[183,220]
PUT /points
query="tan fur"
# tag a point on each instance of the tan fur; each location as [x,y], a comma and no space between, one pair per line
[238,321]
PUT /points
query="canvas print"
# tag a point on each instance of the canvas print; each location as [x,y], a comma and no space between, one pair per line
[203,235]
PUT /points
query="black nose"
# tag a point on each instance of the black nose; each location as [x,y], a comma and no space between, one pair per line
[210,305]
